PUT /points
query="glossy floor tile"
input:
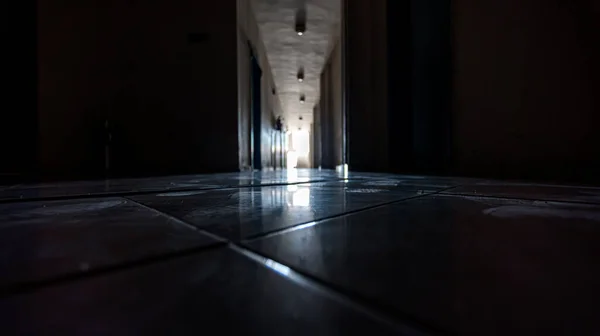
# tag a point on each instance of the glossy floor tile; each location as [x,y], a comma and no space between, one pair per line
[150,184]
[465,266]
[214,292]
[531,191]
[243,213]
[40,241]
[99,188]
[299,252]
[383,185]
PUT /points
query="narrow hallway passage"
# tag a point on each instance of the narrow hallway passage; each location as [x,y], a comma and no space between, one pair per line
[301,167]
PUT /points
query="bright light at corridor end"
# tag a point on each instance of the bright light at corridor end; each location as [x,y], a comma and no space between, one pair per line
[301,142]
[300,148]
[292,159]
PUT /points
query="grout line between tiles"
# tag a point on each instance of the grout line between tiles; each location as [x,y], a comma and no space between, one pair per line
[154,191]
[32,286]
[525,198]
[402,324]
[321,220]
[177,220]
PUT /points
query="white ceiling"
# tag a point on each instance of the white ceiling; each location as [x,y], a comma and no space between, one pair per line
[287,51]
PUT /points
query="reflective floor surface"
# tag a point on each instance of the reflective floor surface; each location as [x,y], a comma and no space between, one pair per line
[301,252]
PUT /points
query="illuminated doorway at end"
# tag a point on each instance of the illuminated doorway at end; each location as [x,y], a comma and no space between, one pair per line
[299,154]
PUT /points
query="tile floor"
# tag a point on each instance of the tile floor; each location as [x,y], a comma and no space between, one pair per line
[301,252]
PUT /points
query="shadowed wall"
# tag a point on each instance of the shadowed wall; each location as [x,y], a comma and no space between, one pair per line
[270,104]
[526,84]
[163,74]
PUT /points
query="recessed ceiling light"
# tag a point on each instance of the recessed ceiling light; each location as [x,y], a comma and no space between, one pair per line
[300,75]
[302,99]
[301,21]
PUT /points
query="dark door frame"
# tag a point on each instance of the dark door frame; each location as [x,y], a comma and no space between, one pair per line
[344,74]
[255,111]
[419,86]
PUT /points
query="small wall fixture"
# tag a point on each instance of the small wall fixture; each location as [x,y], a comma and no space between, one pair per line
[300,75]
[302,99]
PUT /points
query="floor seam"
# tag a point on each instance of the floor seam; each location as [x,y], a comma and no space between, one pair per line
[347,213]
[32,286]
[157,191]
[404,324]
[525,198]
[23,287]
[179,221]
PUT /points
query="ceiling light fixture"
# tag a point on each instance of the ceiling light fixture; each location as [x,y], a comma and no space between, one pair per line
[301,75]
[302,99]
[301,21]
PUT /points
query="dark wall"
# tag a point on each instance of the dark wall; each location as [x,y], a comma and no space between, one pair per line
[400,113]
[326,160]
[18,119]
[330,110]
[526,89]
[271,107]
[163,74]
[431,71]
[365,65]
[501,89]
[317,136]
[244,103]
[78,80]
[335,77]
[419,86]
